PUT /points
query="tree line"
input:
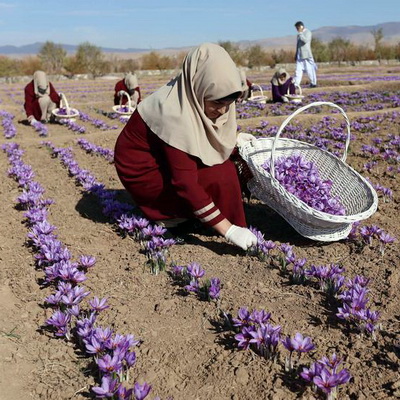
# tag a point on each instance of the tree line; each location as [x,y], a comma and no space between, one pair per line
[89,59]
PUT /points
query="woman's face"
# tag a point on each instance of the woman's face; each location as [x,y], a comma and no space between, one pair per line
[214,109]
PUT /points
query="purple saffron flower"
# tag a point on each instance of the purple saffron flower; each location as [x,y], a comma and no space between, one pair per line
[124,393]
[98,305]
[107,389]
[194,269]
[109,364]
[130,358]
[60,321]
[215,288]
[308,374]
[193,286]
[243,318]
[93,346]
[325,381]
[244,337]
[141,391]
[87,261]
[260,317]
[300,344]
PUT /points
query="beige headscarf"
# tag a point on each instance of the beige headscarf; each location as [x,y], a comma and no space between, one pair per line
[131,81]
[40,81]
[276,80]
[175,112]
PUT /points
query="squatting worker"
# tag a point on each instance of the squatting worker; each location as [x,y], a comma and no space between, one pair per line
[40,98]
[129,85]
[282,85]
[304,58]
[173,154]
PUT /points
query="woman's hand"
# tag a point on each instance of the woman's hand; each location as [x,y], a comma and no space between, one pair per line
[31,119]
[241,237]
[243,138]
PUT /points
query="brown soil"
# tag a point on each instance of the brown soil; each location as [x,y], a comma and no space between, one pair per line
[186,353]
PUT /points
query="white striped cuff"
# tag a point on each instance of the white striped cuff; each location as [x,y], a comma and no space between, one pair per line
[204,209]
[210,216]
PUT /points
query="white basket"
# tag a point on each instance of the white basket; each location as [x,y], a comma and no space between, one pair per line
[295,98]
[71,112]
[129,109]
[258,99]
[354,192]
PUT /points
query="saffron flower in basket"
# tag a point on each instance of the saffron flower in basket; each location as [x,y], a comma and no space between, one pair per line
[301,178]
[65,111]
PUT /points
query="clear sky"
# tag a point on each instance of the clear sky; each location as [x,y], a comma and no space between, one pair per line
[176,23]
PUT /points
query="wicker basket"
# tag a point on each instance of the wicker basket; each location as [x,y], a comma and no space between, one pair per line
[295,98]
[354,192]
[258,99]
[129,109]
[72,113]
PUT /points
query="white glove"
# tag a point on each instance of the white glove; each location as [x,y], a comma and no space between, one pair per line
[241,237]
[243,138]
[285,99]
[121,93]
[32,120]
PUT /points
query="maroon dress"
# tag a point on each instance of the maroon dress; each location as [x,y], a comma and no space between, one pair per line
[168,183]
[120,85]
[280,90]
[32,106]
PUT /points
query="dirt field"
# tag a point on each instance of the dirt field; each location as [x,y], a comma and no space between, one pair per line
[187,351]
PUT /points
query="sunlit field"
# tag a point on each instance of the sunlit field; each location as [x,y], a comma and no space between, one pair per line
[237,341]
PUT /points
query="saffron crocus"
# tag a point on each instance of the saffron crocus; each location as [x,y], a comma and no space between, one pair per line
[215,288]
[93,346]
[124,393]
[260,317]
[141,391]
[194,269]
[243,317]
[107,389]
[328,381]
[87,261]
[130,358]
[98,305]
[244,337]
[384,239]
[308,374]
[109,364]
[60,321]
[193,286]
[299,343]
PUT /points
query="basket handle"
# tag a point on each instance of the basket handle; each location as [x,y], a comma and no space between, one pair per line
[64,102]
[298,111]
[296,86]
[127,95]
[259,88]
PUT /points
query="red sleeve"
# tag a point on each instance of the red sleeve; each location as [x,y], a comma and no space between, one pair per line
[55,98]
[29,99]
[120,85]
[183,169]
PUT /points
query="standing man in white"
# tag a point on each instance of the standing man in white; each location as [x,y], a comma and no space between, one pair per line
[304,58]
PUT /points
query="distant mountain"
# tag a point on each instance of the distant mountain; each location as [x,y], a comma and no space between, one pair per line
[356,34]
[360,34]
[34,48]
